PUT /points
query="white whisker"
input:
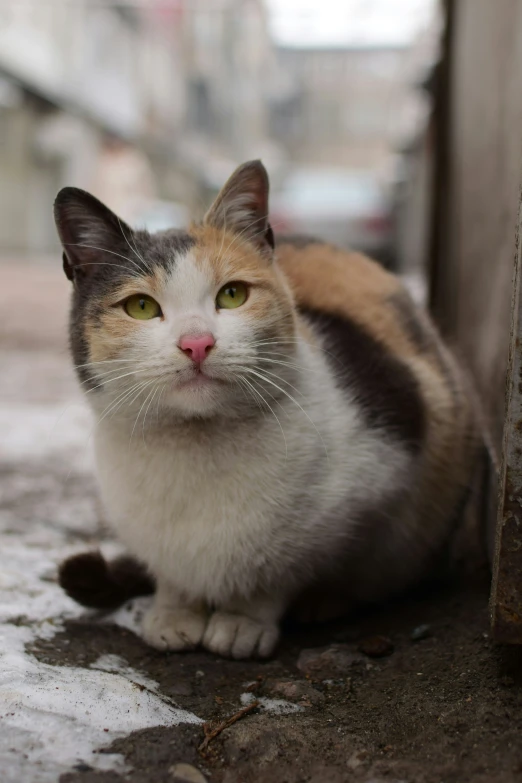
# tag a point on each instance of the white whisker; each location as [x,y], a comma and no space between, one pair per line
[283,380]
[147,410]
[139,412]
[271,410]
[118,378]
[115,405]
[242,383]
[134,249]
[290,341]
[165,386]
[264,358]
[283,391]
[104,361]
[105,250]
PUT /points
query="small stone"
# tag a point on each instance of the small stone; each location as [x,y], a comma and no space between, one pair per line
[356,760]
[324,663]
[420,632]
[252,687]
[186,773]
[300,692]
[376,646]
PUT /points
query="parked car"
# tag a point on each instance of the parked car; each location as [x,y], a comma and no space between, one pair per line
[346,207]
[162,215]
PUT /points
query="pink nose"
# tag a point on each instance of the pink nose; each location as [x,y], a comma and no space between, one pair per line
[197,346]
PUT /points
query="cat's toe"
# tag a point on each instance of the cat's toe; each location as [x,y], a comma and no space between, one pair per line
[237,636]
[176,629]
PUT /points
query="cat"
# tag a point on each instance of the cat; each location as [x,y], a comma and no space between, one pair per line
[277,425]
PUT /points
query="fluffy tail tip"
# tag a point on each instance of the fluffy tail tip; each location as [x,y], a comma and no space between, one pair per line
[92,581]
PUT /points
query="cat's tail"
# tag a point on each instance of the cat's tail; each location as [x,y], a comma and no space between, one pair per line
[97,583]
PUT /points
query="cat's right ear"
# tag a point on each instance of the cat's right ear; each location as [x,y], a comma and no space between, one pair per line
[242,206]
[91,235]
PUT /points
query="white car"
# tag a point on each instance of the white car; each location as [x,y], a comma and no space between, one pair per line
[346,207]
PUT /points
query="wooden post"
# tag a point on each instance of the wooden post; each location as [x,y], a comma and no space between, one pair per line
[506,590]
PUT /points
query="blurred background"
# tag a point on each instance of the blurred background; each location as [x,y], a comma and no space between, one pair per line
[390,126]
[150,104]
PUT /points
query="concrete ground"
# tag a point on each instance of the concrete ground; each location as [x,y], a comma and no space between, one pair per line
[82,699]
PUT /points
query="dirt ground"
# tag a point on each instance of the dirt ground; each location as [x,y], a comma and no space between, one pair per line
[433,700]
[443,709]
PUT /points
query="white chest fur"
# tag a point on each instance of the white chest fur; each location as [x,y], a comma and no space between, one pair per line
[238,506]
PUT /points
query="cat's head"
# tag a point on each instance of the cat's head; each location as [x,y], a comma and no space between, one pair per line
[191,322]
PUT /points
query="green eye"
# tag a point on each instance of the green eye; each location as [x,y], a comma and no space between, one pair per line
[232,295]
[142,307]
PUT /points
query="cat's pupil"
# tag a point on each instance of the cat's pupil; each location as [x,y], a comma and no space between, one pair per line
[231,292]
[142,304]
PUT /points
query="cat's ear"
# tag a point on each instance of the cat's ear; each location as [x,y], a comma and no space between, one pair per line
[91,235]
[242,206]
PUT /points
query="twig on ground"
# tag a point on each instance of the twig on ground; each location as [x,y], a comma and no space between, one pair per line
[212,733]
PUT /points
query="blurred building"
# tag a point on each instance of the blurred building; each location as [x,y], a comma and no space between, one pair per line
[346,106]
[231,82]
[150,104]
[359,107]
[74,74]
[157,100]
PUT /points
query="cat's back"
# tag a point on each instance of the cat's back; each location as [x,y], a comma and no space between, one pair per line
[350,288]
[367,312]
[387,354]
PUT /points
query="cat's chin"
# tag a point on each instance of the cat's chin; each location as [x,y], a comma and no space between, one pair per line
[198,396]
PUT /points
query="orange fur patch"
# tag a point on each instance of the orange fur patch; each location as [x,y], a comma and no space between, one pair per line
[227,257]
[109,332]
[332,280]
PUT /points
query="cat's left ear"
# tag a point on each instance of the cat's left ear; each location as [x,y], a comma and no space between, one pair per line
[242,206]
[93,238]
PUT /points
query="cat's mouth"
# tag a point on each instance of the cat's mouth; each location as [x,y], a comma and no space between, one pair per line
[198,380]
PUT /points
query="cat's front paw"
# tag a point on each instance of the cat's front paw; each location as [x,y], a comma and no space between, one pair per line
[173,629]
[237,636]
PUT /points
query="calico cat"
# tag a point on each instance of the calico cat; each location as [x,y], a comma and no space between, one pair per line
[277,425]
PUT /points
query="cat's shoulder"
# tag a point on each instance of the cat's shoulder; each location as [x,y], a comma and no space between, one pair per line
[349,286]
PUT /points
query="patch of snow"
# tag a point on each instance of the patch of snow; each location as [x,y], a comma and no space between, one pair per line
[118,665]
[66,713]
[54,717]
[277,706]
